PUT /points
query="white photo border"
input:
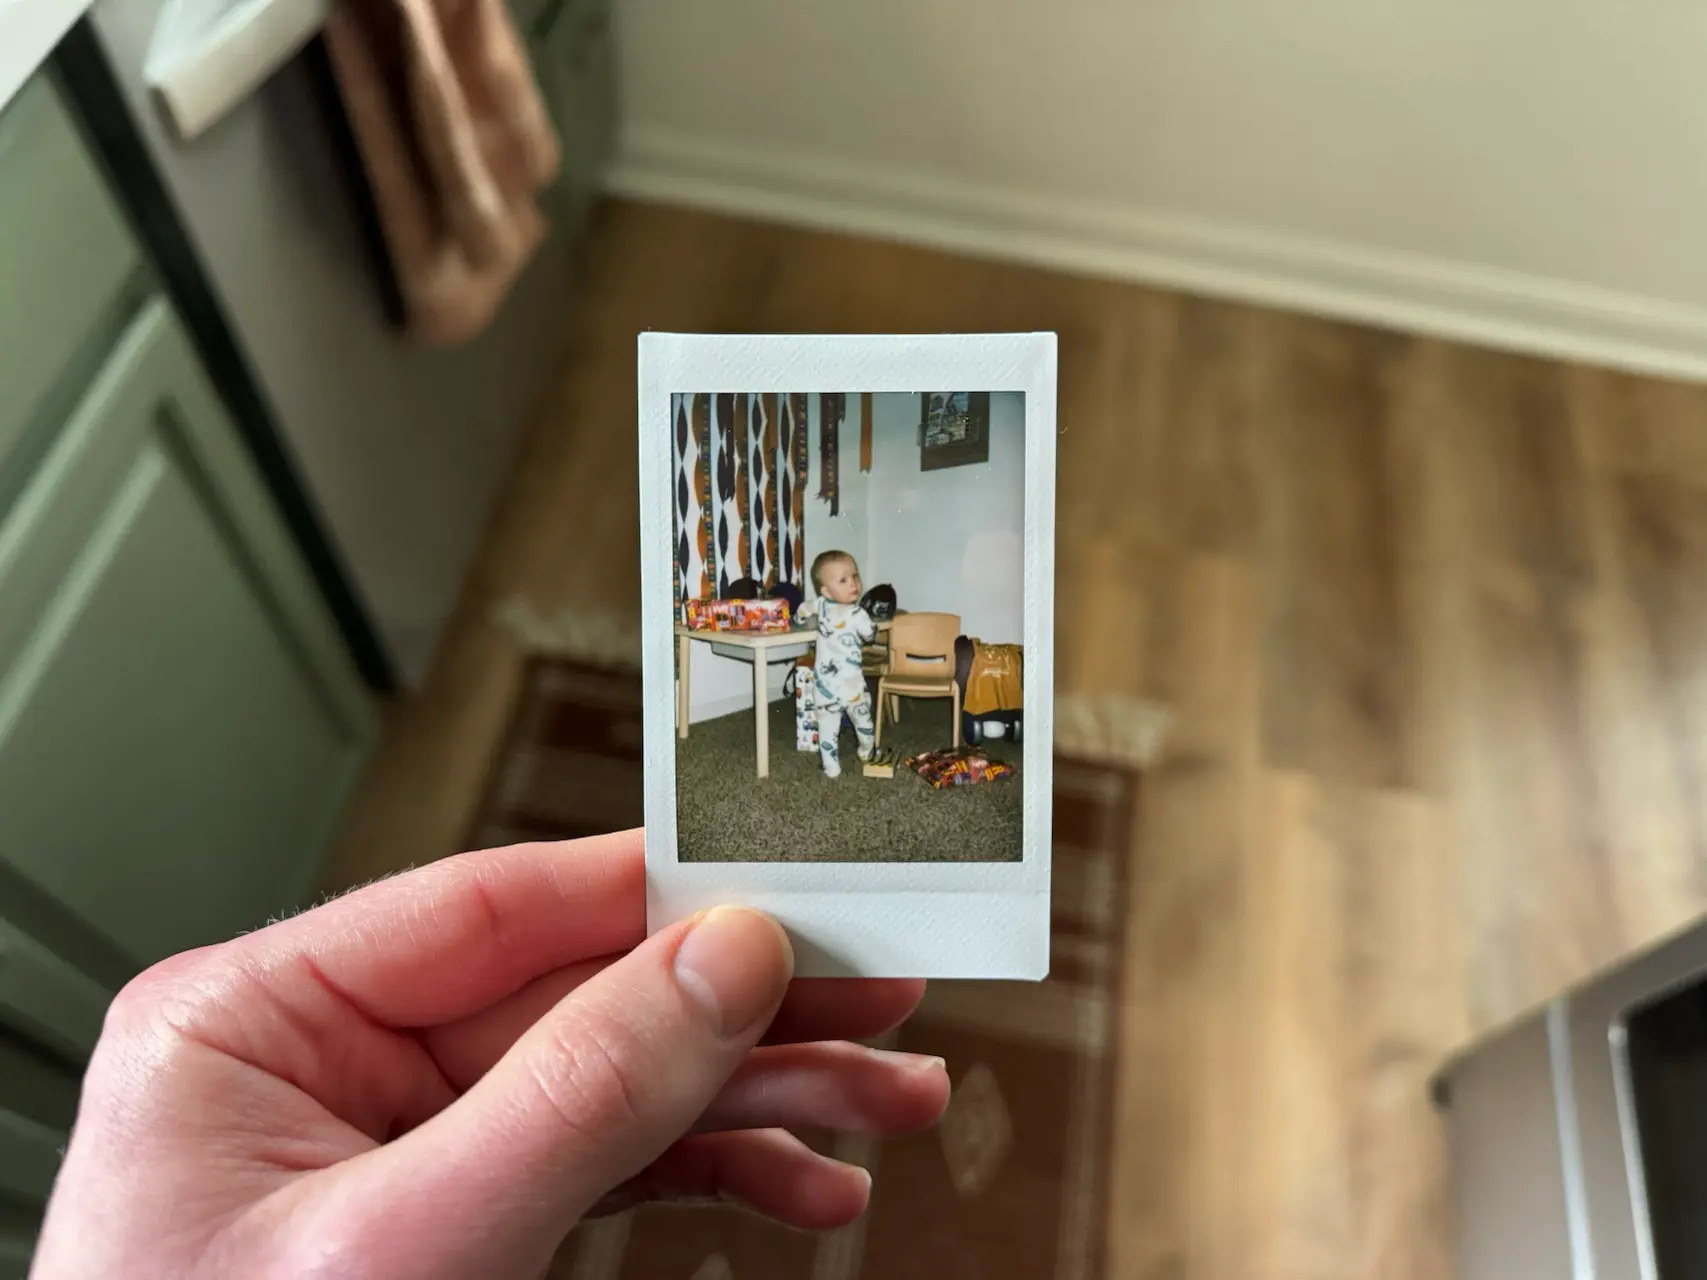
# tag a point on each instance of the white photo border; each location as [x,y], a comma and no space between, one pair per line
[859,919]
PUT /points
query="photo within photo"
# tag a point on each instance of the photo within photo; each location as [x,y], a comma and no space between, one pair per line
[849,604]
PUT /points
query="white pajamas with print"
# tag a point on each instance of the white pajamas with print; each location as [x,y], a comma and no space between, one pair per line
[840,676]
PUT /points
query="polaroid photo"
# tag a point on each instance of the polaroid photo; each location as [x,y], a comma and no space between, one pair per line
[848,572]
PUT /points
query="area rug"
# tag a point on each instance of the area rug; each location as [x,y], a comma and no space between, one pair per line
[1013,1183]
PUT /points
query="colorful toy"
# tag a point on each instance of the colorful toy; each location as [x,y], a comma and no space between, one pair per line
[882,763]
[964,767]
[766,616]
[801,685]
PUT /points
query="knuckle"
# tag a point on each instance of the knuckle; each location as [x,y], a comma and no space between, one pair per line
[174,1003]
[588,1075]
[148,1027]
[166,983]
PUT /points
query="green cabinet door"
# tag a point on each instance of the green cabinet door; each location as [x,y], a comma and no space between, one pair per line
[29,1162]
[179,722]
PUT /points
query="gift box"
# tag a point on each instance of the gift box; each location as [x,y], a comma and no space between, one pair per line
[737,615]
[961,768]
[802,686]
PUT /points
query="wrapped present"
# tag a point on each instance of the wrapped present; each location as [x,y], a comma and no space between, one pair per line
[961,768]
[737,615]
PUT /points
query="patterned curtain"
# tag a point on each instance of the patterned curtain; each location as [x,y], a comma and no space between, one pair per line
[740,491]
[762,476]
[692,497]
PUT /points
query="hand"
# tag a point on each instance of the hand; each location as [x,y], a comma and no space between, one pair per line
[439,1074]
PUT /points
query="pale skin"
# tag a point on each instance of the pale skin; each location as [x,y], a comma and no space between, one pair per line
[440,1074]
[839,580]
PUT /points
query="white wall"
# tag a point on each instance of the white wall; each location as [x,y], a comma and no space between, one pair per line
[1527,175]
[950,541]
[721,686]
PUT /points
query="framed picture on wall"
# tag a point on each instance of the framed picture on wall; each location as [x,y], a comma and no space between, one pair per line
[954,430]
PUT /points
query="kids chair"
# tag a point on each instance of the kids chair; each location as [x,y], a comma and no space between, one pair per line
[921,664]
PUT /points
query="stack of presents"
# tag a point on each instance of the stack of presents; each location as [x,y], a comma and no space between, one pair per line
[765,615]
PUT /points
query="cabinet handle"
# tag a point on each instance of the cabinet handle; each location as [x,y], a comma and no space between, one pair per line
[46,998]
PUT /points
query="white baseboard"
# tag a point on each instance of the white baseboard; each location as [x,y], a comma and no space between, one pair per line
[1486,306]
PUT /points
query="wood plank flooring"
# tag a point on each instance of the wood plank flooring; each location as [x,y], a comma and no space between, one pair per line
[1433,621]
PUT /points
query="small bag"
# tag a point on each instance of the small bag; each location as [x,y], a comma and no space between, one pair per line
[802,682]
[961,768]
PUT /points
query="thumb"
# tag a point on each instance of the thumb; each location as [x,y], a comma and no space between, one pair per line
[592,1093]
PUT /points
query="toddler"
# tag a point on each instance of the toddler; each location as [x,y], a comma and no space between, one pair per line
[843,627]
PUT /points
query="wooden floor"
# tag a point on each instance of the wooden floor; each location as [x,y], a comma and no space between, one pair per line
[1434,625]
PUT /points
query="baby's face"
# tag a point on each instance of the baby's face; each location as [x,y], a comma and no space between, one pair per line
[839,581]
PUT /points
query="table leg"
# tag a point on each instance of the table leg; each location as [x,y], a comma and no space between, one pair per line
[761,714]
[683,664]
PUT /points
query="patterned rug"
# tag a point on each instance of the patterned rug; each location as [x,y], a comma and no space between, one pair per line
[1013,1183]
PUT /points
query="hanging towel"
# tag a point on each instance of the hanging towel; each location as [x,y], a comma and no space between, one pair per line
[456,145]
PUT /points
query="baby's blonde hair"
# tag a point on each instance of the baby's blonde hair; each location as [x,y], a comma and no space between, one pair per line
[824,560]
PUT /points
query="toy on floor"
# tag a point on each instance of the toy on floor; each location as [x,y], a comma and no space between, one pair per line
[992,683]
[882,763]
[965,767]
[1006,724]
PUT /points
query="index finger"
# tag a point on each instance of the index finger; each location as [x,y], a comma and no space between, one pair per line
[445,941]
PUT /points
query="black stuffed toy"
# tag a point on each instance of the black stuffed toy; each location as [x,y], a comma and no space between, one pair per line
[791,593]
[879,602]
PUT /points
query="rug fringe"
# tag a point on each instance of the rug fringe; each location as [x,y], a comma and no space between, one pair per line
[1112,728]
[600,639]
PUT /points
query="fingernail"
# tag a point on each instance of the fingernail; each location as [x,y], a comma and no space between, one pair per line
[909,1061]
[734,964]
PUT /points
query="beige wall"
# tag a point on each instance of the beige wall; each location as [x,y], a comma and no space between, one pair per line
[1528,174]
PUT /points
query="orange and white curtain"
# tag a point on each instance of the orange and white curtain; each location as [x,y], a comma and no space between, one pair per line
[740,465]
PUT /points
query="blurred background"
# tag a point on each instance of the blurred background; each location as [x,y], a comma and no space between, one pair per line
[1382,546]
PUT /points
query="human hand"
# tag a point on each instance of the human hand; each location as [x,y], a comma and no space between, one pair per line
[439,1074]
